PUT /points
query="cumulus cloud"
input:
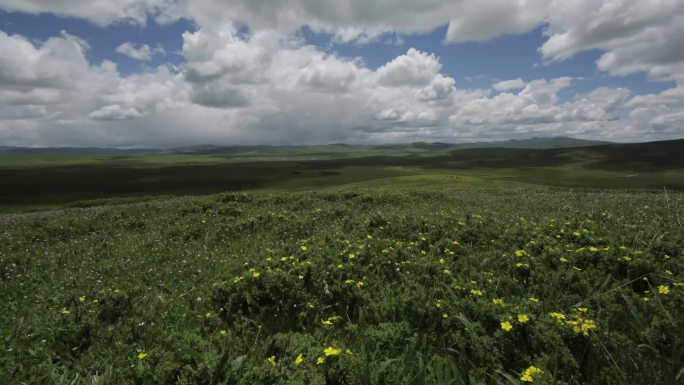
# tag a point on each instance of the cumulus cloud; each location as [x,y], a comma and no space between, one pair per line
[268,85]
[143,52]
[507,85]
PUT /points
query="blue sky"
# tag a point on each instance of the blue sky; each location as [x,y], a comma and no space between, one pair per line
[408,72]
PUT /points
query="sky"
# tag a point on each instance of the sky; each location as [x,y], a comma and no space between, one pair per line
[173,73]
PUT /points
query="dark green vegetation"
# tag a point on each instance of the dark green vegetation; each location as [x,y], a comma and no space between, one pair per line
[38,179]
[469,286]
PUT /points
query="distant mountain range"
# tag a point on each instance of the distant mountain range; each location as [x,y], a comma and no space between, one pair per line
[330,149]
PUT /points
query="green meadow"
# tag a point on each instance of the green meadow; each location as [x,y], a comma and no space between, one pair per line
[412,264]
[37,180]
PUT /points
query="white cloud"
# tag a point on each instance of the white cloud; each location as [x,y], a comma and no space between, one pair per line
[143,52]
[101,12]
[507,85]
[269,86]
[415,68]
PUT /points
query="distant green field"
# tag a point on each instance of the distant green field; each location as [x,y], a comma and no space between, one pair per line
[37,180]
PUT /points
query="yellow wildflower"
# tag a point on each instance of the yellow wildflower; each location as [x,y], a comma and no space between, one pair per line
[558,316]
[506,326]
[81,299]
[523,318]
[664,289]
[498,301]
[256,274]
[528,374]
[320,361]
[476,292]
[299,359]
[330,351]
[271,360]
[141,355]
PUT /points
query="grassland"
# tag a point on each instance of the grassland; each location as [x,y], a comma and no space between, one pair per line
[408,264]
[37,180]
[470,286]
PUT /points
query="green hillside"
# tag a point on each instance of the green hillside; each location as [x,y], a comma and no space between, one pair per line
[37,181]
[474,286]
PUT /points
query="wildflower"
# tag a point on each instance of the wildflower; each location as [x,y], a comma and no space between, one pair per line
[522,265]
[576,233]
[476,292]
[438,303]
[586,326]
[528,374]
[558,316]
[299,359]
[498,301]
[352,256]
[445,315]
[523,318]
[340,266]
[582,309]
[349,281]
[300,277]
[520,253]
[563,260]
[238,279]
[222,332]
[664,289]
[506,326]
[330,351]
[447,271]
[141,355]
[82,298]
[326,322]
[533,299]
[359,284]
[256,274]
[271,360]
[303,248]
[320,361]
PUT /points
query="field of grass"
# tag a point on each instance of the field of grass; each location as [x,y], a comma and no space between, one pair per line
[477,285]
[40,179]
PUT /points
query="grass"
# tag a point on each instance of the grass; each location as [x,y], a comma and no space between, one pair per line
[38,180]
[406,286]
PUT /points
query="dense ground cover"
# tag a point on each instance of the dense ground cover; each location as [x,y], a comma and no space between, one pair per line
[473,286]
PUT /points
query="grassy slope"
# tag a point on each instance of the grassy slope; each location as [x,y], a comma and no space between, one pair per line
[168,277]
[38,181]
